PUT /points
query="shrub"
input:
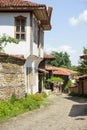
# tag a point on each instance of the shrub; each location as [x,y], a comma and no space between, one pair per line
[13,98]
[16,106]
[69,83]
[55,79]
[44,95]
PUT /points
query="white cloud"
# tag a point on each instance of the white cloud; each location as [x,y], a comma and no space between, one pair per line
[63,48]
[82,18]
[66,48]
[73,21]
[48,48]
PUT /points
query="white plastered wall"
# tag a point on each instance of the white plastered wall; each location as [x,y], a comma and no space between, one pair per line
[7,27]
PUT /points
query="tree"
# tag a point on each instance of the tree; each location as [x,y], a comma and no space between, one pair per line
[82,68]
[62,60]
[84,50]
[4,40]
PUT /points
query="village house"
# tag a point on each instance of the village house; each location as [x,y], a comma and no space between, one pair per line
[63,73]
[82,87]
[25,21]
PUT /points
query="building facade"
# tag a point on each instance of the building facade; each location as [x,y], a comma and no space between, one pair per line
[26,21]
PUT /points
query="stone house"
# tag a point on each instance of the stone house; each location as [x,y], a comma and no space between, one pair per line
[26,21]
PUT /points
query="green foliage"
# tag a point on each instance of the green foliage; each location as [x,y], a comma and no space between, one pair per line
[84,50]
[4,40]
[44,80]
[13,98]
[69,83]
[16,106]
[82,68]
[55,79]
[62,60]
[44,95]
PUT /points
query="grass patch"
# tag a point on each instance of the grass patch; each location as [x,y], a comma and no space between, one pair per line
[15,106]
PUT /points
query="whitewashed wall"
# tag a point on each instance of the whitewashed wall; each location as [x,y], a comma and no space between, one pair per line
[7,27]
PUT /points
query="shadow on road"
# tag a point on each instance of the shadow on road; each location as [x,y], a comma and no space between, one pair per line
[78,110]
[77,99]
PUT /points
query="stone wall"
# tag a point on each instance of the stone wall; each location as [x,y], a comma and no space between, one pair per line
[12,77]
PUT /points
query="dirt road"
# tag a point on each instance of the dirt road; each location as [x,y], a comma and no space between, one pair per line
[64,113]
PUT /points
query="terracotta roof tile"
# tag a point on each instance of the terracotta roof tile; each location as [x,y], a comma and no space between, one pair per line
[84,56]
[47,67]
[47,56]
[13,56]
[60,71]
[19,3]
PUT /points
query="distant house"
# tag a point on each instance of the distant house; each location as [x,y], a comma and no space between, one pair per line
[82,87]
[26,21]
[84,56]
[63,73]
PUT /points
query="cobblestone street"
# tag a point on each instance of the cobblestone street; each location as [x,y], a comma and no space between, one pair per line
[63,113]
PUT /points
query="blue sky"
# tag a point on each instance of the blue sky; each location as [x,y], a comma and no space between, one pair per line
[69,27]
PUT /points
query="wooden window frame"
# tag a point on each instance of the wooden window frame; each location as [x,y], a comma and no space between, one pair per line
[20,18]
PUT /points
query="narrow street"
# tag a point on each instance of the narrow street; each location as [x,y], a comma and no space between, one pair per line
[63,113]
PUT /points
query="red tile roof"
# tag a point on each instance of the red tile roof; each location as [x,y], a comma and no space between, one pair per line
[19,3]
[84,56]
[47,67]
[48,57]
[60,71]
[12,56]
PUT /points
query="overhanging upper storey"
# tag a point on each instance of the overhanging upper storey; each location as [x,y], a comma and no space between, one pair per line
[42,13]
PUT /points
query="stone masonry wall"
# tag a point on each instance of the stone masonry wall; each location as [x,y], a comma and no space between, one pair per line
[12,78]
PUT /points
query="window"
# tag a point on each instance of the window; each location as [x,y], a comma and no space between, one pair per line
[20,28]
